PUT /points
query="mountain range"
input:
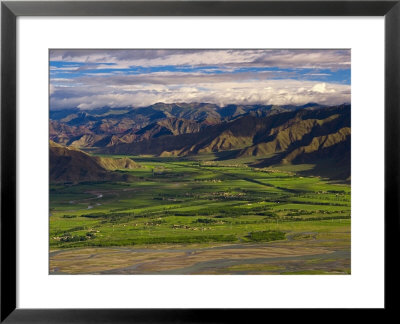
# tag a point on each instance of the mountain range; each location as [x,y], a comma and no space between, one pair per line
[273,135]
[107,127]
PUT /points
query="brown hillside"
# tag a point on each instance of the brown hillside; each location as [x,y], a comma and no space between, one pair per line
[68,164]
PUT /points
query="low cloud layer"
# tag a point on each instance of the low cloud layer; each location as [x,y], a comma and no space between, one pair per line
[91,79]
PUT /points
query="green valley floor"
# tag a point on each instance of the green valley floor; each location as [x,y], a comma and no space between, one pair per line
[180,216]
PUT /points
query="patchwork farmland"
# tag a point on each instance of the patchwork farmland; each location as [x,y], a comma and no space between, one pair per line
[197,216]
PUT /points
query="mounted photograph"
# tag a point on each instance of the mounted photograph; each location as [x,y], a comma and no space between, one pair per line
[200,161]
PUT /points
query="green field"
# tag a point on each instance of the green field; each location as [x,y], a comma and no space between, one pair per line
[175,204]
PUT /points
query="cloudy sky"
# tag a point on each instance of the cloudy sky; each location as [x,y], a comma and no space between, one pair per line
[91,79]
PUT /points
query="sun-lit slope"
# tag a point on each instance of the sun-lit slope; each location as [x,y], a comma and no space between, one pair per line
[216,138]
[69,164]
[168,126]
[304,129]
[116,164]
[320,144]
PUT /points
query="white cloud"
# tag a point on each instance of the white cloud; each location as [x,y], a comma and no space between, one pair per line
[322,88]
[322,59]
[277,92]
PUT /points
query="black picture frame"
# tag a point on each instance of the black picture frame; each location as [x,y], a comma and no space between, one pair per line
[10,10]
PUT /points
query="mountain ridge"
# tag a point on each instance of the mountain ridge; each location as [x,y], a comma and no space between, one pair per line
[91,128]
